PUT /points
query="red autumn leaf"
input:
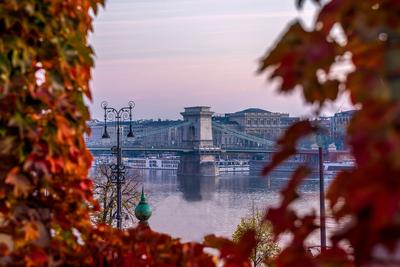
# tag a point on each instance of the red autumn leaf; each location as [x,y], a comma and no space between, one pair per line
[335,256]
[36,257]
[281,218]
[288,142]
[295,256]
[298,58]
[234,254]
[331,13]
[4,249]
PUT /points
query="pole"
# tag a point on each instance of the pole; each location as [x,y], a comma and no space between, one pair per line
[119,196]
[118,170]
[322,200]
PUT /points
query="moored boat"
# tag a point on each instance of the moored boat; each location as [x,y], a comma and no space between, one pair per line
[233,165]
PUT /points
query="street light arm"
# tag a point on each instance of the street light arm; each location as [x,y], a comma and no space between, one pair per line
[124,113]
[111,113]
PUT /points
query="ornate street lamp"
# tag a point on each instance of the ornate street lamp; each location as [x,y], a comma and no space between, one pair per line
[118,169]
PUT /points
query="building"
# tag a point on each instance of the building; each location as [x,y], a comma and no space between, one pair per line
[338,128]
[261,123]
[252,121]
[321,138]
[224,138]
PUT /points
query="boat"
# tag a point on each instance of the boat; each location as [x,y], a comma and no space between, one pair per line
[308,158]
[331,168]
[164,163]
[233,165]
[172,162]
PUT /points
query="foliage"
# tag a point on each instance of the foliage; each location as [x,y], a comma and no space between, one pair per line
[45,195]
[364,34]
[104,192]
[265,248]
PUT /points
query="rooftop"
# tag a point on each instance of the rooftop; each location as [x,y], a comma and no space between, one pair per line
[346,113]
[253,110]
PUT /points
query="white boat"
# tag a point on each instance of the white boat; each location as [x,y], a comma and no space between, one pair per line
[165,163]
[331,168]
[172,162]
[233,165]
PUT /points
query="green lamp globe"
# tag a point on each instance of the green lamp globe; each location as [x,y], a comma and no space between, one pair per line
[143,209]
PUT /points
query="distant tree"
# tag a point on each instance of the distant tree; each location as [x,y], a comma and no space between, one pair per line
[265,248]
[105,193]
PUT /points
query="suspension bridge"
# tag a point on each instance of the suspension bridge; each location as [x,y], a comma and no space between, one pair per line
[195,144]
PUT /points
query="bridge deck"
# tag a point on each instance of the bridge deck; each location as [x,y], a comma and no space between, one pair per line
[188,150]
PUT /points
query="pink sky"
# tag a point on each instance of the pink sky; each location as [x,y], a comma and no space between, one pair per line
[168,54]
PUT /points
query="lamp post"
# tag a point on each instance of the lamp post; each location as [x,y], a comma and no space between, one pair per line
[322,199]
[118,169]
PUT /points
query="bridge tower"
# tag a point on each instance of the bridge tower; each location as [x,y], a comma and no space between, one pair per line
[197,136]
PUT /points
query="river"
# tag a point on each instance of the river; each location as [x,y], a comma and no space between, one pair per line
[190,207]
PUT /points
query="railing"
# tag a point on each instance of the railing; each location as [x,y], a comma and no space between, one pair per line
[203,150]
[219,127]
[142,148]
[161,130]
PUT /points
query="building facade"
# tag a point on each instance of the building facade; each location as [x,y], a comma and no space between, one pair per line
[252,121]
[260,123]
[338,129]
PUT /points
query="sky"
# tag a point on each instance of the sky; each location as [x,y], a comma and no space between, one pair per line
[169,54]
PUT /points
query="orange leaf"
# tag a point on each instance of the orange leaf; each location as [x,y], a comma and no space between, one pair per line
[21,184]
[31,231]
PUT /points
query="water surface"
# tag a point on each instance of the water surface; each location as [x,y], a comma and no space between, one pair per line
[191,207]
